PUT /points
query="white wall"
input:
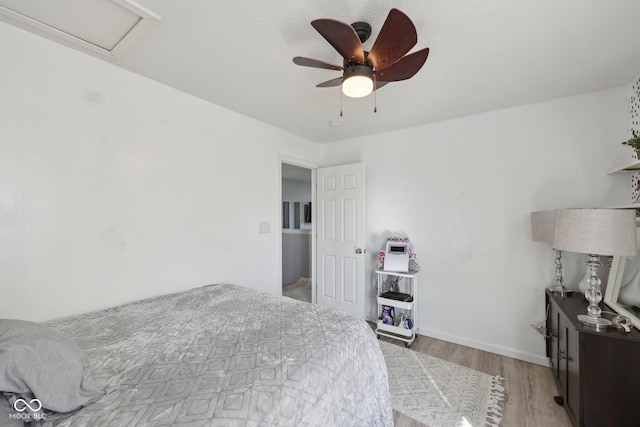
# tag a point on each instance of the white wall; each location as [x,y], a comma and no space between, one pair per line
[114,187]
[462,191]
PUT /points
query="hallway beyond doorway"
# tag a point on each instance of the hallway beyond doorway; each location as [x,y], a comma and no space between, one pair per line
[301,290]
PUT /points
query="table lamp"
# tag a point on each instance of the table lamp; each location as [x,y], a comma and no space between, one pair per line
[595,232]
[543,225]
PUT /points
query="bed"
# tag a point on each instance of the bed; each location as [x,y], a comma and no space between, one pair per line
[219,355]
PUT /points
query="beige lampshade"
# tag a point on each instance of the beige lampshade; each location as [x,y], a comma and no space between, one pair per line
[596,231]
[543,225]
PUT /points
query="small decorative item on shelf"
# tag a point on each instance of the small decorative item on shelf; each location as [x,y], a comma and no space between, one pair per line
[634,142]
[388,313]
[380,264]
[407,323]
[414,267]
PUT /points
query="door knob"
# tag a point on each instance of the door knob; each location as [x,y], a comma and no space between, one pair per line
[360,251]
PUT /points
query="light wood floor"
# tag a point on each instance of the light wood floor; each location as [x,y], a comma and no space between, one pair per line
[529,388]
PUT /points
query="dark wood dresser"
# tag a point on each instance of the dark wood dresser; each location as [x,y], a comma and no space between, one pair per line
[597,372]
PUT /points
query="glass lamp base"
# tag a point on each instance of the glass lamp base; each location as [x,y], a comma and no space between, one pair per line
[596,322]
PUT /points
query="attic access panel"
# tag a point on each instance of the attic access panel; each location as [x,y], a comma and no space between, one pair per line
[107,27]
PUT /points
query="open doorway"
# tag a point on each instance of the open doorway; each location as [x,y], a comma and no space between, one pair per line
[297,226]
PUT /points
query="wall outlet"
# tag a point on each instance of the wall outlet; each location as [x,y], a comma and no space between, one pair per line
[264,227]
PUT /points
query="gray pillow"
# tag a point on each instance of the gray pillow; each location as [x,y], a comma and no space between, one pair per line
[39,361]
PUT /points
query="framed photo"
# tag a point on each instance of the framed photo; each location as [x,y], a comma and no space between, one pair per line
[623,287]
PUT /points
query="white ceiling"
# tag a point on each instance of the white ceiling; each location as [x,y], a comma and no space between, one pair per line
[485,55]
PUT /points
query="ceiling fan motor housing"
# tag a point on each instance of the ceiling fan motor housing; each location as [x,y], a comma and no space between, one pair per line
[357,70]
[346,63]
[363,30]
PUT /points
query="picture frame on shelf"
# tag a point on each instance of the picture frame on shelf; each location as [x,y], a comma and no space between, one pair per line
[623,287]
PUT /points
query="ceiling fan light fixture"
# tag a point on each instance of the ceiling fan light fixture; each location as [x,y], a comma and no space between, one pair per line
[357,81]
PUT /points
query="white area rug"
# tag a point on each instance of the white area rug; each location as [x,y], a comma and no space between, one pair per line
[440,393]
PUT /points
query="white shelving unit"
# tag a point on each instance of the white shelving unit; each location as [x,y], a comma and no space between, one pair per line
[394,331]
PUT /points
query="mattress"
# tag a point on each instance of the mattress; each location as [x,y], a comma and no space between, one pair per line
[224,355]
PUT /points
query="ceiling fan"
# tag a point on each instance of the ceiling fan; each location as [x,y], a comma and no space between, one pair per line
[363,72]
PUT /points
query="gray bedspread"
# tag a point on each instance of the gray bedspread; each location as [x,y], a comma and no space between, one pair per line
[223,355]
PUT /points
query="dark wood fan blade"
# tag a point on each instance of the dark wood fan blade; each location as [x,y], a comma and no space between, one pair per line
[397,37]
[342,37]
[331,83]
[405,68]
[309,62]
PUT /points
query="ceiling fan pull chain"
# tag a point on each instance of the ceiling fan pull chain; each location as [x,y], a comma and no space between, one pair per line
[375,94]
[341,103]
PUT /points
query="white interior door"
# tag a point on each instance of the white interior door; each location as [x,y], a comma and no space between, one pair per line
[340,238]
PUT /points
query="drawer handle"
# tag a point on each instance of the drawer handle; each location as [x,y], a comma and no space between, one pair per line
[562,355]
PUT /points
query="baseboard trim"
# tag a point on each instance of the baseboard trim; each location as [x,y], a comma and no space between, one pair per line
[503,351]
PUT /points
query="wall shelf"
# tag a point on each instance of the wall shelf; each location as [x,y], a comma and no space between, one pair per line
[632,206]
[632,167]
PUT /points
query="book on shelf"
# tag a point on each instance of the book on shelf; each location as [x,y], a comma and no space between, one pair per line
[397,296]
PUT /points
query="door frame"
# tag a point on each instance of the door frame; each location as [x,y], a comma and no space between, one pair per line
[312,167]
